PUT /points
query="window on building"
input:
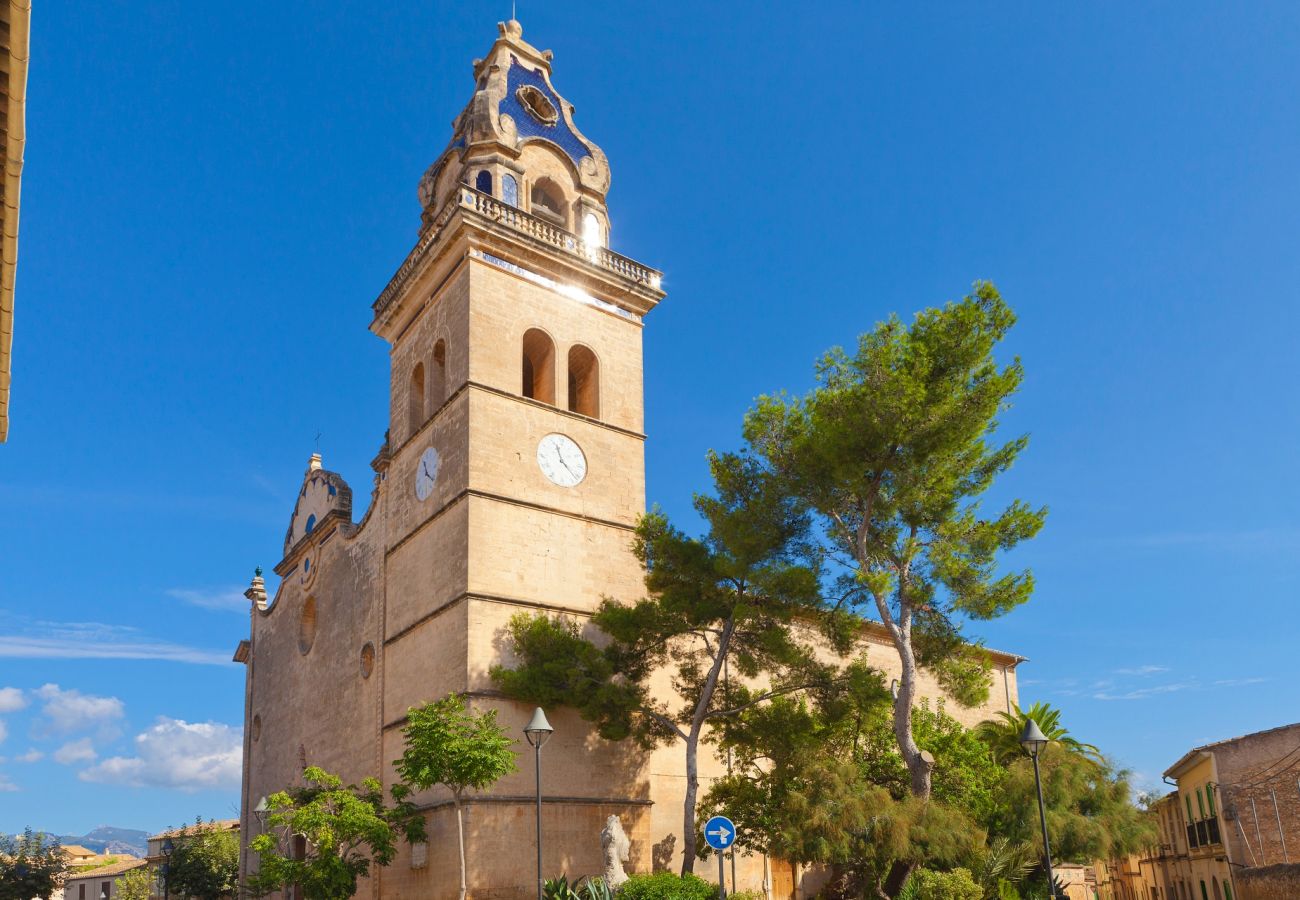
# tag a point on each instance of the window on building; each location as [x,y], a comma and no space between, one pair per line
[483,182]
[415,398]
[510,189]
[1227,891]
[311,523]
[539,366]
[584,381]
[1205,895]
[1218,894]
[81,892]
[438,376]
[592,234]
[106,889]
[1200,804]
[307,626]
[1209,798]
[547,202]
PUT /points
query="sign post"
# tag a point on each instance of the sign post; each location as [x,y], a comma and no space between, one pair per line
[720,834]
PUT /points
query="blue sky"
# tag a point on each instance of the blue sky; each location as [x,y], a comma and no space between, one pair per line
[212,199]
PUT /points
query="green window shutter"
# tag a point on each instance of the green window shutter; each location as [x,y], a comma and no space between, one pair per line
[1209,797]
[1227,891]
[1200,803]
[1204,894]
[1188,798]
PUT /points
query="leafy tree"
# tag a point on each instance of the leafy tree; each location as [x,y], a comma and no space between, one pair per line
[447,745]
[32,865]
[964,775]
[343,831]
[134,884]
[891,449]
[1090,812]
[205,863]
[733,598]
[822,783]
[1002,734]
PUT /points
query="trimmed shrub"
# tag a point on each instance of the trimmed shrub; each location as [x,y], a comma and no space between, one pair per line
[667,886]
[955,885]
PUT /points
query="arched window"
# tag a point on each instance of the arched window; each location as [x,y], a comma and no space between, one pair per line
[1218,894]
[307,626]
[438,376]
[510,189]
[584,381]
[415,398]
[592,234]
[547,202]
[539,366]
[483,182]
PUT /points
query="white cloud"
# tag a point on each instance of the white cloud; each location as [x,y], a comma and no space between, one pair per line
[1145,693]
[4,731]
[6,785]
[1239,682]
[225,599]
[177,754]
[97,640]
[11,700]
[65,712]
[75,752]
[31,756]
[1143,670]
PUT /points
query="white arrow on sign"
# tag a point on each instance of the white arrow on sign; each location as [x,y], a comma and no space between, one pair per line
[722,833]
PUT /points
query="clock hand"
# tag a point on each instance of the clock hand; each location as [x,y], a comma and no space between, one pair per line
[560,457]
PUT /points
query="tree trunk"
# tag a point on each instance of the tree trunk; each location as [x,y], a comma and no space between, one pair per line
[688,806]
[702,705]
[896,880]
[919,767]
[460,839]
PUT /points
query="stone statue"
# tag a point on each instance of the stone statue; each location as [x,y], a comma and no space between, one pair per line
[616,847]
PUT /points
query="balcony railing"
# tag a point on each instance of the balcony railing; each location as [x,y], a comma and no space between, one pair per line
[539,229]
[487,206]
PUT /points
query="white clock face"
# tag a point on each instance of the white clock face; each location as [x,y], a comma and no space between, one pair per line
[561,460]
[426,473]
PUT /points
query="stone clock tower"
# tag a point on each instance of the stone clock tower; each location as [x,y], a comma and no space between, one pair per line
[510,481]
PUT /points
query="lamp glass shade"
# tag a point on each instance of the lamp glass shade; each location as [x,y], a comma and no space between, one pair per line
[168,847]
[538,729]
[1032,738]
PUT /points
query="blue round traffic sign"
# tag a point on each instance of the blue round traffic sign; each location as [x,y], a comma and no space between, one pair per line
[719,833]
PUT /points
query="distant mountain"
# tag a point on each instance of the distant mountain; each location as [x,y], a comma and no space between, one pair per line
[109,839]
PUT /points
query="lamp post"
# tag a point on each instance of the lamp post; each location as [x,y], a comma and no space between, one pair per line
[1033,740]
[537,731]
[167,848]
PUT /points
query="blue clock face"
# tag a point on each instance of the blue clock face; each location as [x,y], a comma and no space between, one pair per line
[426,473]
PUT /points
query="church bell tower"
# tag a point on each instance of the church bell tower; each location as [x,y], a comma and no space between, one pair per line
[514,471]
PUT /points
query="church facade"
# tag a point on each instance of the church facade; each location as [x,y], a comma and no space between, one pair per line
[510,480]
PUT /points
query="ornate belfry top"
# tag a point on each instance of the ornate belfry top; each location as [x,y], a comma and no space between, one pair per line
[514,103]
[519,186]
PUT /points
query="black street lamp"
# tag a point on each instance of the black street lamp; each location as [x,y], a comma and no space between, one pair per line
[1033,740]
[167,848]
[537,731]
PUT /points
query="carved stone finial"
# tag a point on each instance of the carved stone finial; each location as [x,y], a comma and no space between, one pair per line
[511,28]
[616,848]
[314,463]
[256,592]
